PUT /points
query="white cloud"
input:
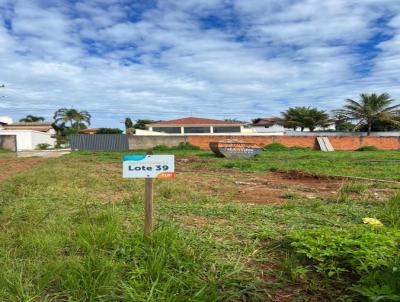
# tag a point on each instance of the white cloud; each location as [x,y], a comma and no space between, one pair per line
[117,57]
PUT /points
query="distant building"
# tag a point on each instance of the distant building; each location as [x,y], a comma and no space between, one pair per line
[268,125]
[4,120]
[34,126]
[196,125]
[273,125]
[89,131]
[30,135]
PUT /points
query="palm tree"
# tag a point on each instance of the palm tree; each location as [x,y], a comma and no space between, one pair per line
[73,116]
[370,109]
[32,118]
[304,117]
[294,118]
[316,118]
[342,123]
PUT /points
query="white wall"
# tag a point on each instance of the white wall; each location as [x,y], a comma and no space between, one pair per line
[29,139]
[281,129]
[271,129]
[42,138]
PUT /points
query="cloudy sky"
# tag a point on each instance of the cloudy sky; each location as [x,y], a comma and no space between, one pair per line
[212,58]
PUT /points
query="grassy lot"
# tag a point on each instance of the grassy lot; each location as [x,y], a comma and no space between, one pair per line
[71,230]
[370,164]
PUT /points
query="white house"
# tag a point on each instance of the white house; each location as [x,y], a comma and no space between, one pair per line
[196,125]
[30,135]
[272,125]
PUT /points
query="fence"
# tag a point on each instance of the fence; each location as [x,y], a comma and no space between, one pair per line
[99,142]
[123,142]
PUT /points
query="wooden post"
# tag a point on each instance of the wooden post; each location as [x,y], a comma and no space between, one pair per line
[148,207]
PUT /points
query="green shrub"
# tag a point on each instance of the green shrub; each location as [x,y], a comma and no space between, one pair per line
[368,148]
[364,254]
[275,147]
[161,148]
[380,286]
[181,146]
[187,146]
[356,250]
[43,146]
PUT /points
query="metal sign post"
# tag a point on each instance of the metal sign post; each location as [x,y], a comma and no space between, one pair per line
[148,167]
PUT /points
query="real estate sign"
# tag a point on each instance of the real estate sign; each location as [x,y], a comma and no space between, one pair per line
[148,166]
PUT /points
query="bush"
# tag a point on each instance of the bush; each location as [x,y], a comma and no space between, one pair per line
[187,146]
[363,253]
[181,146]
[161,148]
[109,131]
[357,249]
[275,147]
[368,148]
[380,286]
[43,146]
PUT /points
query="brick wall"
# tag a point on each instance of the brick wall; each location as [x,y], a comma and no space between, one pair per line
[338,142]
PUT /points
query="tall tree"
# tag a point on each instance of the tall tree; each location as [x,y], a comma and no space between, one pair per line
[342,123]
[72,116]
[128,123]
[141,124]
[304,117]
[32,118]
[370,110]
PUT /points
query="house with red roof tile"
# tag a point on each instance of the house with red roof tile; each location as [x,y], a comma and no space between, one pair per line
[196,125]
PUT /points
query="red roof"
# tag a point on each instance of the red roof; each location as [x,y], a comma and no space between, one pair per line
[196,121]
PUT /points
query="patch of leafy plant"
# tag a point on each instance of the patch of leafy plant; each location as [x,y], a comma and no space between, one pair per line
[380,286]
[362,253]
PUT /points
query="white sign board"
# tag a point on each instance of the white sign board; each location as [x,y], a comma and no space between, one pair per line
[148,166]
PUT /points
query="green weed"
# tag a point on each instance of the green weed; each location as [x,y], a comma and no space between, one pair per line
[390,212]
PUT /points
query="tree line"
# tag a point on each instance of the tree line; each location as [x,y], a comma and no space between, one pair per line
[372,112]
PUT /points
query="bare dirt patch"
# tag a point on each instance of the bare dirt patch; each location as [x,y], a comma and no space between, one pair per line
[261,188]
[11,165]
[198,221]
[266,187]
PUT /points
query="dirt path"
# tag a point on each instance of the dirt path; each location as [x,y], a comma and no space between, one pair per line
[11,165]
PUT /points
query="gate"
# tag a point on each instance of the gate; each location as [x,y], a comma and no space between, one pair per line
[99,142]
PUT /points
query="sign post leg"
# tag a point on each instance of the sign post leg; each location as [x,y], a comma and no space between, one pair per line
[148,207]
